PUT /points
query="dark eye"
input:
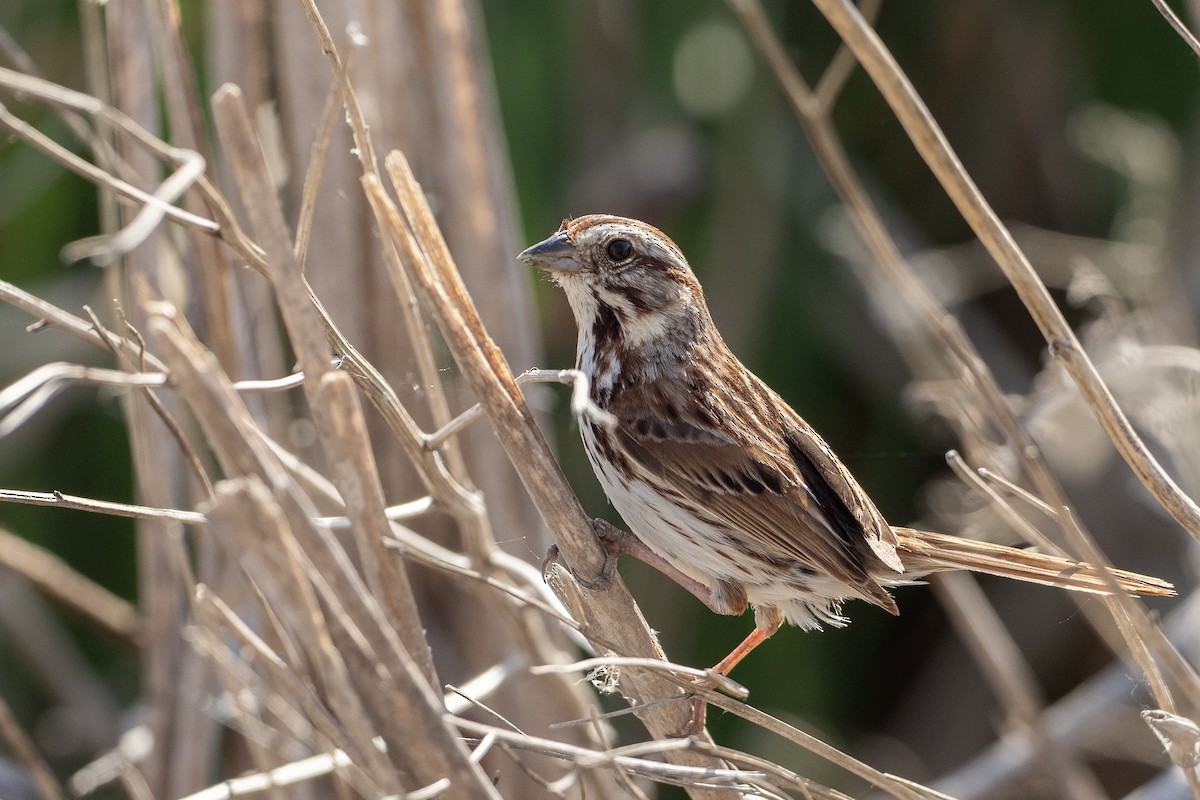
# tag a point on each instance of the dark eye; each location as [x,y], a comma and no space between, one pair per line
[619,249]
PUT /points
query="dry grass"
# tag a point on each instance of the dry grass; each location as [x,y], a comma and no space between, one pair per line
[272,579]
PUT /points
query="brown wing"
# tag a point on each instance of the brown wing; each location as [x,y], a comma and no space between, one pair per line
[777,485]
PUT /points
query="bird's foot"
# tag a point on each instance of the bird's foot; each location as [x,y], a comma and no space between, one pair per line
[604,580]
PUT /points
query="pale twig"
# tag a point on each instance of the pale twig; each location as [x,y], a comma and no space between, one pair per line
[53,316]
[1008,673]
[808,787]
[896,788]
[395,513]
[98,506]
[25,397]
[57,580]
[134,745]
[21,746]
[426,552]
[1017,491]
[1064,346]
[483,684]
[155,205]
[601,733]
[1096,714]
[337,414]
[1028,531]
[1144,637]
[676,774]
[842,64]
[581,404]
[1169,14]
[720,682]
[287,775]
[190,456]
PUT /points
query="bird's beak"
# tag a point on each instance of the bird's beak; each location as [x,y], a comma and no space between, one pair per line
[556,254]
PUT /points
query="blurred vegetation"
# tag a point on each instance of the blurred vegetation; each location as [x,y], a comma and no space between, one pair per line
[601,116]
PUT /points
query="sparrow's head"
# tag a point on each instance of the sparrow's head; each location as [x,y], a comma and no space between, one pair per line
[625,276]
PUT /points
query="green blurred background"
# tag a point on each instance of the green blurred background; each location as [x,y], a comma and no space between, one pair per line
[660,110]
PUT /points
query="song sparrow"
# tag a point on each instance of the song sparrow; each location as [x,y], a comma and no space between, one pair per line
[733,494]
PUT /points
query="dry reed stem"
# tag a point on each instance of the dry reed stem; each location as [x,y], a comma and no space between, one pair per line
[50,315]
[338,611]
[812,109]
[1012,681]
[1176,23]
[445,469]
[611,616]
[364,637]
[27,755]
[334,411]
[899,789]
[1089,714]
[934,329]
[57,580]
[934,148]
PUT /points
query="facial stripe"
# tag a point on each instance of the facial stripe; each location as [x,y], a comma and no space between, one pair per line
[634,296]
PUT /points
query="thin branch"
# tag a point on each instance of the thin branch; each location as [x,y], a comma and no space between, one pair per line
[1169,14]
[22,747]
[57,580]
[720,682]
[1011,679]
[935,149]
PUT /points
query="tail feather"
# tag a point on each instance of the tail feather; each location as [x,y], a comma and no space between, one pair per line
[923,552]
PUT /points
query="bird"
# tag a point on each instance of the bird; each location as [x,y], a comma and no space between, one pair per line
[723,486]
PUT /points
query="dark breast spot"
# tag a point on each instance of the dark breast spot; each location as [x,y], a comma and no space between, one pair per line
[606,330]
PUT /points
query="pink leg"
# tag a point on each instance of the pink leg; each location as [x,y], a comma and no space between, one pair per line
[699,707]
[618,543]
[621,543]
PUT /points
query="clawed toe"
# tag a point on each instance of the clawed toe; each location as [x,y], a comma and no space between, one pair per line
[600,583]
[613,538]
[550,557]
